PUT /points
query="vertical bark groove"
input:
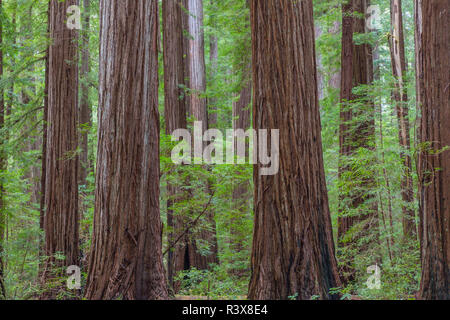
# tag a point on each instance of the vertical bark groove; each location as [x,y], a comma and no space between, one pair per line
[433,63]
[293,249]
[61,167]
[126,255]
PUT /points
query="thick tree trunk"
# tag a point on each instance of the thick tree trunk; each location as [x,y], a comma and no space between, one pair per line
[175,118]
[61,187]
[433,63]
[398,61]
[357,69]
[85,121]
[293,249]
[126,255]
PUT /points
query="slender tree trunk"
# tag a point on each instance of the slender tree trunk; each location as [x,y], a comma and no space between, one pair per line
[241,189]
[398,61]
[198,110]
[32,174]
[2,166]
[126,255]
[433,78]
[293,248]
[390,232]
[175,118]
[197,69]
[85,115]
[355,133]
[213,60]
[44,149]
[61,187]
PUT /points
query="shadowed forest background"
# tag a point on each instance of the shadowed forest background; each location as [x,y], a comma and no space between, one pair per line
[359,90]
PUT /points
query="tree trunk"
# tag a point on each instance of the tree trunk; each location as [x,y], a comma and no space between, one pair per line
[198,110]
[44,141]
[175,118]
[61,187]
[241,190]
[433,59]
[33,172]
[85,115]
[398,62]
[293,249]
[357,69]
[213,60]
[126,255]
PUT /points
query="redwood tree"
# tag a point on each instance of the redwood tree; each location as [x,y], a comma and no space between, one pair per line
[398,62]
[357,218]
[433,78]
[85,114]
[175,118]
[241,193]
[126,255]
[61,163]
[293,249]
[197,108]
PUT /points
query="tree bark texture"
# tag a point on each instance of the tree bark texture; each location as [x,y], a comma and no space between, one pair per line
[432,20]
[85,115]
[61,167]
[126,255]
[293,249]
[175,118]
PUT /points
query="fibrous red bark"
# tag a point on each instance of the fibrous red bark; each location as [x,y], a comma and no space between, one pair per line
[293,249]
[356,130]
[61,167]
[433,78]
[126,255]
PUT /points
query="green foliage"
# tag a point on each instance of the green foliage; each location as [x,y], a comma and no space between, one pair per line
[215,283]
[211,188]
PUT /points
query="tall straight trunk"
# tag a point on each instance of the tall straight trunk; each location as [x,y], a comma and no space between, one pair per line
[44,142]
[433,63]
[241,189]
[61,187]
[126,255]
[197,105]
[2,166]
[213,61]
[293,248]
[175,118]
[33,174]
[355,133]
[242,120]
[196,59]
[398,62]
[85,115]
